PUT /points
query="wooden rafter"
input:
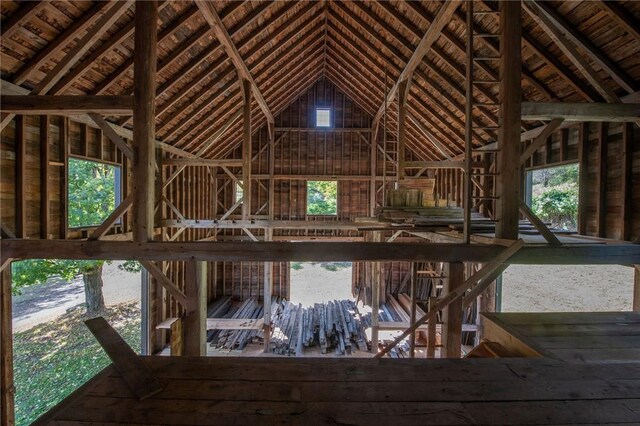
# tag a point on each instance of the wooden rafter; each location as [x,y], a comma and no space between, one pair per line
[431,35]
[211,15]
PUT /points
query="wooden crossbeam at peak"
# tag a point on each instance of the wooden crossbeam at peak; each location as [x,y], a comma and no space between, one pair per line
[442,18]
[211,16]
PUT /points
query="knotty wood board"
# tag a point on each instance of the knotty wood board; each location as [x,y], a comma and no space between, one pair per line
[589,337]
[361,391]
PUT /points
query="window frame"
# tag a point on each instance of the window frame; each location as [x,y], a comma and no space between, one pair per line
[306,209]
[117,196]
[329,125]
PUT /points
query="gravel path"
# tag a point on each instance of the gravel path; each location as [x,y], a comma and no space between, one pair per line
[44,302]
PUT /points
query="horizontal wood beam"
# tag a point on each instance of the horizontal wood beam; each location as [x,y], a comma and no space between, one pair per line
[201,162]
[445,164]
[8,88]
[65,105]
[585,111]
[568,254]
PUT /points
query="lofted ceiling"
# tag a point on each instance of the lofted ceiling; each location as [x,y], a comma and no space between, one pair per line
[361,47]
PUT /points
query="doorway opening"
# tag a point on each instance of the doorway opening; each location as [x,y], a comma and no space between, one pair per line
[318,282]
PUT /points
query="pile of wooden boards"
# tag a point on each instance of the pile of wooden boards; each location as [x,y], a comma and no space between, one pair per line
[333,325]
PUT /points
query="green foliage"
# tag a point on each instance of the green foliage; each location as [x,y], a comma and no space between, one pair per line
[555,195]
[131,266]
[38,271]
[322,197]
[335,266]
[296,266]
[558,206]
[92,189]
[55,358]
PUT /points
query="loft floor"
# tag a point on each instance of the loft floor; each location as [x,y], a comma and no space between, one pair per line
[362,391]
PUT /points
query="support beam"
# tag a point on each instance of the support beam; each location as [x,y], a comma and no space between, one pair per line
[144,166]
[109,131]
[508,169]
[540,140]
[558,33]
[626,223]
[583,177]
[636,289]
[442,18]
[376,281]
[45,189]
[582,111]
[112,218]
[213,19]
[476,284]
[133,370]
[7,389]
[195,322]
[452,314]
[202,162]
[267,293]
[65,105]
[404,89]
[540,226]
[246,148]
[601,179]
[164,281]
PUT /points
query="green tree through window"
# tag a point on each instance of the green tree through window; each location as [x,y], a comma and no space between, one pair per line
[92,192]
[322,197]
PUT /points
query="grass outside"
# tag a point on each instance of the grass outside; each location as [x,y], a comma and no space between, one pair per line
[53,359]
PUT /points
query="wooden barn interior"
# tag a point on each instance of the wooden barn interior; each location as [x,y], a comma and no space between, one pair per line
[426,115]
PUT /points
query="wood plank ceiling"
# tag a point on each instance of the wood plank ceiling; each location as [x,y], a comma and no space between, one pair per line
[288,45]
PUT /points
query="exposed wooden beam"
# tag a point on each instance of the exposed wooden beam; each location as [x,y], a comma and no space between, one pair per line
[7,388]
[442,18]
[558,33]
[65,105]
[610,112]
[601,179]
[622,17]
[195,321]
[567,254]
[26,11]
[540,226]
[540,139]
[626,212]
[202,162]
[112,218]
[162,279]
[133,370]
[111,134]
[55,47]
[510,109]
[144,165]
[452,314]
[211,16]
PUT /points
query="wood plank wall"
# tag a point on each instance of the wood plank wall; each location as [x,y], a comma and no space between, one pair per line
[609,190]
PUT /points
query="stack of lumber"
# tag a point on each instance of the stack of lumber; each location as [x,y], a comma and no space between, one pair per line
[333,325]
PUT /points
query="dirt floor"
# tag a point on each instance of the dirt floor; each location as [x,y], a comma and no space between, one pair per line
[314,284]
[574,288]
[44,302]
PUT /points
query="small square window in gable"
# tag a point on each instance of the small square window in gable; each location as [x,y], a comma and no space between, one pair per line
[323,117]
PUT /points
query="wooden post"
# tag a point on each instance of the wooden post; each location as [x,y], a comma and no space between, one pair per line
[195,326]
[7,390]
[64,187]
[376,278]
[268,292]
[246,149]
[373,164]
[468,128]
[144,94]
[414,282]
[510,112]
[403,93]
[627,181]
[44,177]
[21,195]
[636,288]
[452,314]
[272,169]
[583,167]
[602,179]
[431,331]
